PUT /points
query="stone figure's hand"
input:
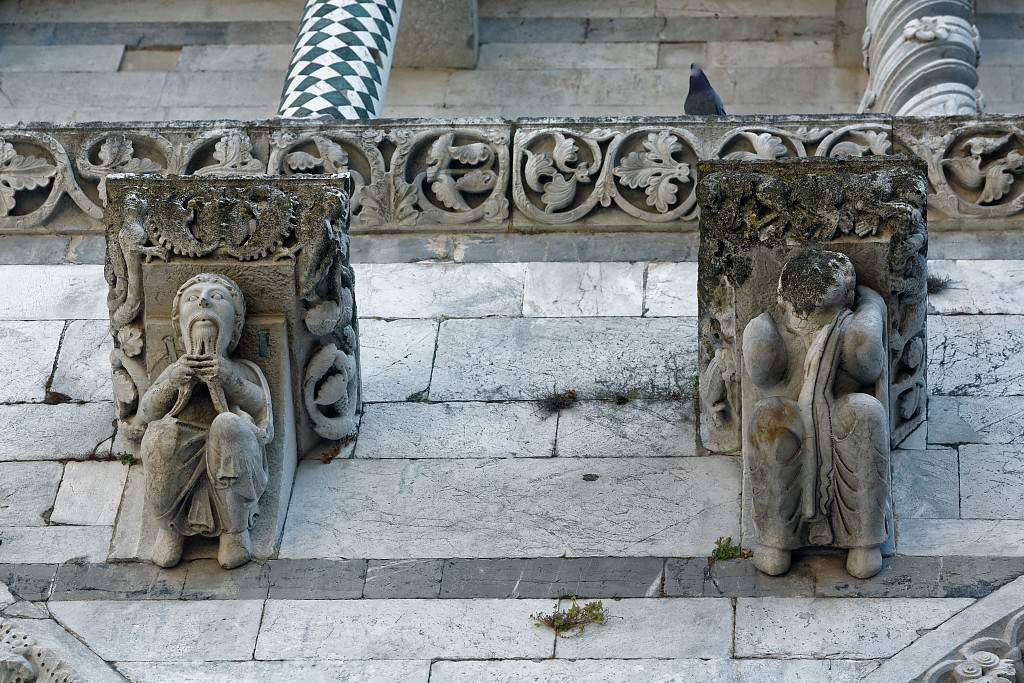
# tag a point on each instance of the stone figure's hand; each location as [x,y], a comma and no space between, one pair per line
[214,370]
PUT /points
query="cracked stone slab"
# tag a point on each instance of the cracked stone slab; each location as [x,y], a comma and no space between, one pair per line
[552,577]
[978,287]
[926,483]
[971,419]
[524,359]
[53,293]
[395,358]
[34,544]
[636,428]
[671,290]
[90,493]
[82,659]
[434,290]
[38,431]
[83,366]
[836,628]
[28,581]
[976,355]
[661,628]
[456,430]
[27,491]
[696,577]
[402,629]
[127,581]
[404,579]
[976,577]
[991,482]
[901,577]
[206,580]
[30,347]
[977,537]
[512,508]
[367,671]
[161,630]
[566,290]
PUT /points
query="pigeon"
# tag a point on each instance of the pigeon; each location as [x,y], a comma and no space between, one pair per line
[702,100]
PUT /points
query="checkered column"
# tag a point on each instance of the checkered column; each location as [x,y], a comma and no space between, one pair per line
[341,60]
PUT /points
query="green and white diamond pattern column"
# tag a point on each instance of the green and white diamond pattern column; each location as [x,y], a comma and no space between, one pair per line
[341,60]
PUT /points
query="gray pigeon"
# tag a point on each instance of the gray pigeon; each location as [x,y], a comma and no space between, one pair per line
[702,100]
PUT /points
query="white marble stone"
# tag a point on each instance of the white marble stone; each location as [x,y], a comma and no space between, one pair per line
[402,629]
[83,366]
[30,347]
[836,628]
[988,287]
[456,430]
[659,628]
[523,359]
[6,598]
[37,431]
[637,428]
[925,483]
[651,671]
[512,508]
[27,490]
[980,537]
[69,649]
[981,419]
[671,289]
[52,293]
[991,482]
[366,671]
[164,630]
[967,355]
[564,290]
[90,493]
[28,544]
[434,290]
[395,357]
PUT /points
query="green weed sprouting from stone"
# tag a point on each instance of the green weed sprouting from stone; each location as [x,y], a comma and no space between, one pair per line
[938,283]
[559,400]
[574,619]
[725,549]
[127,459]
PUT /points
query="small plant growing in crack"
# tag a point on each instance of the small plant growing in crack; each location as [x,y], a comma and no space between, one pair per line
[725,549]
[573,620]
[557,400]
[938,283]
[127,459]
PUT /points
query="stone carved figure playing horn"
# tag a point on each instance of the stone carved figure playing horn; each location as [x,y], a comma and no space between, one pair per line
[818,434]
[208,420]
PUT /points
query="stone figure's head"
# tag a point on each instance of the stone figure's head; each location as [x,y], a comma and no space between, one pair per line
[208,312]
[816,283]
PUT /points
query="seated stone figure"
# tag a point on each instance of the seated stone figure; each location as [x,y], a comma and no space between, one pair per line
[817,437]
[208,419]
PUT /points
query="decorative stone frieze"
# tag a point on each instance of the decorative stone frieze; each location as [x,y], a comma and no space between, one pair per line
[812,310]
[988,659]
[23,660]
[434,176]
[236,347]
[922,57]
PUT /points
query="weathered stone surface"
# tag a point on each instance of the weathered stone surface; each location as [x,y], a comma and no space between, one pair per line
[484,359]
[926,483]
[456,430]
[670,628]
[403,578]
[509,56]
[207,580]
[33,250]
[598,577]
[834,628]
[60,57]
[33,544]
[83,366]
[30,581]
[30,347]
[90,493]
[512,508]
[563,290]
[418,629]
[969,419]
[978,537]
[52,293]
[991,482]
[395,358]
[636,428]
[977,287]
[976,577]
[320,579]
[233,57]
[444,34]
[70,650]
[27,491]
[967,355]
[366,671]
[901,577]
[733,578]
[434,290]
[55,432]
[135,581]
[6,597]
[671,290]
[163,630]
[23,609]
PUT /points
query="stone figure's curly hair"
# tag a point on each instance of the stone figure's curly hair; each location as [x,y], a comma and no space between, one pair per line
[234,291]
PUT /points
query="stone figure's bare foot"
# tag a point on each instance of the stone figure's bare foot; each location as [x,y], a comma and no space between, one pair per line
[772,561]
[167,549]
[863,563]
[234,550]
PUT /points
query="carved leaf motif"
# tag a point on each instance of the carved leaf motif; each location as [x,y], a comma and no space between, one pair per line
[476,181]
[444,187]
[558,193]
[999,177]
[966,171]
[20,172]
[233,153]
[115,150]
[538,165]
[302,161]
[564,152]
[656,169]
[333,154]
[471,154]
[979,146]
[766,146]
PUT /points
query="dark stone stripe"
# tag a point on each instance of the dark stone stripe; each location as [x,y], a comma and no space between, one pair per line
[149,34]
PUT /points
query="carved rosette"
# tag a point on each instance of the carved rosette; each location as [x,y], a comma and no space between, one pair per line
[23,660]
[984,659]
